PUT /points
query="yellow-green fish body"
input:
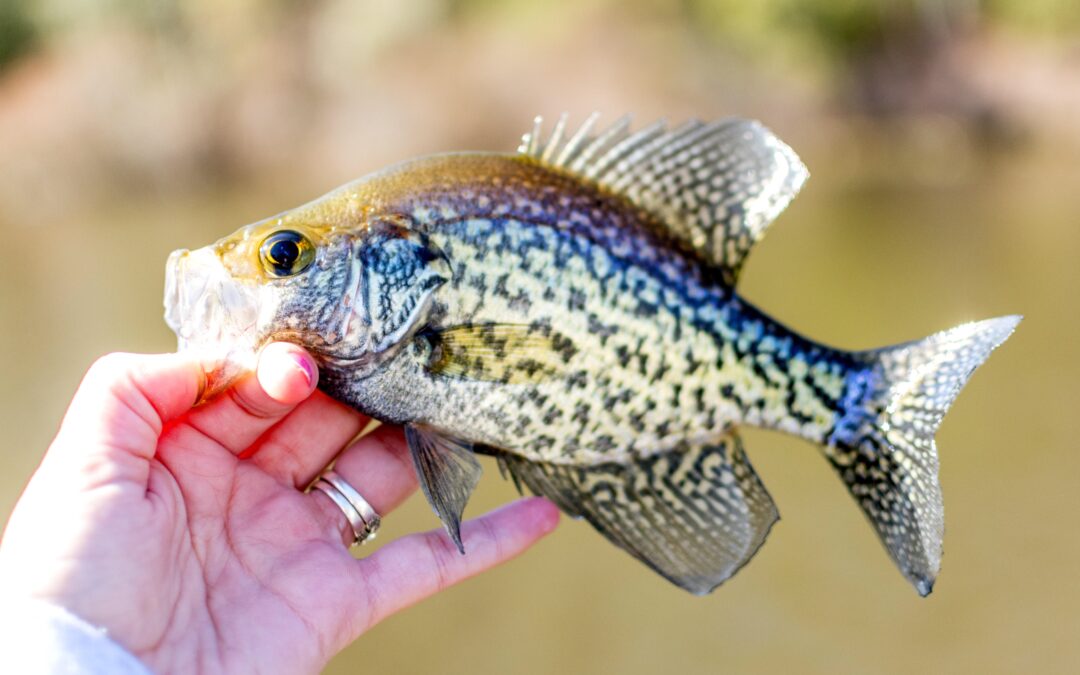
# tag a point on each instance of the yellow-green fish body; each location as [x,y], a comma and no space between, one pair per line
[571,310]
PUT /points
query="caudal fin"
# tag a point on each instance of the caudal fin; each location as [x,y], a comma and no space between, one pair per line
[883,443]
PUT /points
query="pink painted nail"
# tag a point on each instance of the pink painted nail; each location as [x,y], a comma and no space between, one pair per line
[306,366]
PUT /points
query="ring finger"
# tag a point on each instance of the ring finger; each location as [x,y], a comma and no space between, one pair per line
[379,468]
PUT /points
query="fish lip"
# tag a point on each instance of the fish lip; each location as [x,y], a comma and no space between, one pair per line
[174,292]
[181,299]
[188,301]
[215,318]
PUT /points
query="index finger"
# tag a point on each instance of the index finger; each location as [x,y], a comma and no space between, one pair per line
[124,400]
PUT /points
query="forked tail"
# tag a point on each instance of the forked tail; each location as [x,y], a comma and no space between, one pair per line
[883,442]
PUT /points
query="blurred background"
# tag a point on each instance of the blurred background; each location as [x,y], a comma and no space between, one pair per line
[943,140]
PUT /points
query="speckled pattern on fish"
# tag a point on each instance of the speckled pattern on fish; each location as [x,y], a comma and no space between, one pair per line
[571,310]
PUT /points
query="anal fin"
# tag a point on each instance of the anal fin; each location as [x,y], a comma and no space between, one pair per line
[696,516]
[448,472]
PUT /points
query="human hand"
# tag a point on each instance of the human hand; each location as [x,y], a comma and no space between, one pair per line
[185,532]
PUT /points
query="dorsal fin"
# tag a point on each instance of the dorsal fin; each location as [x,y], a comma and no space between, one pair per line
[716,185]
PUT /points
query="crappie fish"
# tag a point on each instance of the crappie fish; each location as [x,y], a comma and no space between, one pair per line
[570,309]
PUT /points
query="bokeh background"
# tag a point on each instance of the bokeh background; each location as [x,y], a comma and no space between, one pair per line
[943,140]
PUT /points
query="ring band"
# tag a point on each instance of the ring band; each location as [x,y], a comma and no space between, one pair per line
[361,516]
[366,511]
[355,521]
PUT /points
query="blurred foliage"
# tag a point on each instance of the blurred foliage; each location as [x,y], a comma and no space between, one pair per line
[832,35]
[1043,16]
[133,127]
[846,29]
[17,31]
[840,27]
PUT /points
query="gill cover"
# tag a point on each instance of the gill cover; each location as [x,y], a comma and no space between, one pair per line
[399,272]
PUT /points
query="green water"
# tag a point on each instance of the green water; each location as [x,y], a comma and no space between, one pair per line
[863,258]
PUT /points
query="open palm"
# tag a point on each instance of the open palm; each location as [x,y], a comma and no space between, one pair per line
[186,532]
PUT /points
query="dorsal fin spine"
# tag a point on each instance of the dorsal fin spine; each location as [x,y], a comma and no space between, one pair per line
[531,141]
[683,141]
[576,141]
[583,164]
[556,138]
[626,146]
[664,147]
[627,169]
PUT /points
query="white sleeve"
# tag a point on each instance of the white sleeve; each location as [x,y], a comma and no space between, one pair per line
[39,638]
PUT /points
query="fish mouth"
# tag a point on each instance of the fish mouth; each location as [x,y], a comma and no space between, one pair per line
[212,315]
[176,296]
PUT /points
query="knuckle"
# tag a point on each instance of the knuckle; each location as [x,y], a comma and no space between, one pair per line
[111,374]
[110,366]
[489,534]
[246,405]
[389,443]
[440,552]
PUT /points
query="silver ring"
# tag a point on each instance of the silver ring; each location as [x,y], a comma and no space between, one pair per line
[359,527]
[361,516]
[357,501]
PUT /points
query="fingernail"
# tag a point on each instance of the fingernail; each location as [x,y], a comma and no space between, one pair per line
[306,366]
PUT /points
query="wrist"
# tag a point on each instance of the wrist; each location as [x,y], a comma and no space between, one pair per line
[40,636]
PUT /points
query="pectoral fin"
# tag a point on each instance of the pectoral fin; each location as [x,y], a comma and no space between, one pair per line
[448,472]
[695,516]
[497,352]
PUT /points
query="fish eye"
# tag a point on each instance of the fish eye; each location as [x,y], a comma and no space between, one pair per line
[285,253]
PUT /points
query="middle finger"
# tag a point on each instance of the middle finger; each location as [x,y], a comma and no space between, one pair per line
[301,445]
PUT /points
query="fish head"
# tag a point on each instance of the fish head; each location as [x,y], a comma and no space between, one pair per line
[349,285]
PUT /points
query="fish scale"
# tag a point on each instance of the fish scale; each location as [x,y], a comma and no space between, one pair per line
[643,387]
[572,311]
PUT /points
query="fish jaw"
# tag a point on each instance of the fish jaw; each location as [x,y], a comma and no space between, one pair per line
[213,316]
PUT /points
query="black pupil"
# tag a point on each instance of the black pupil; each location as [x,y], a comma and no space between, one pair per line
[284,253]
